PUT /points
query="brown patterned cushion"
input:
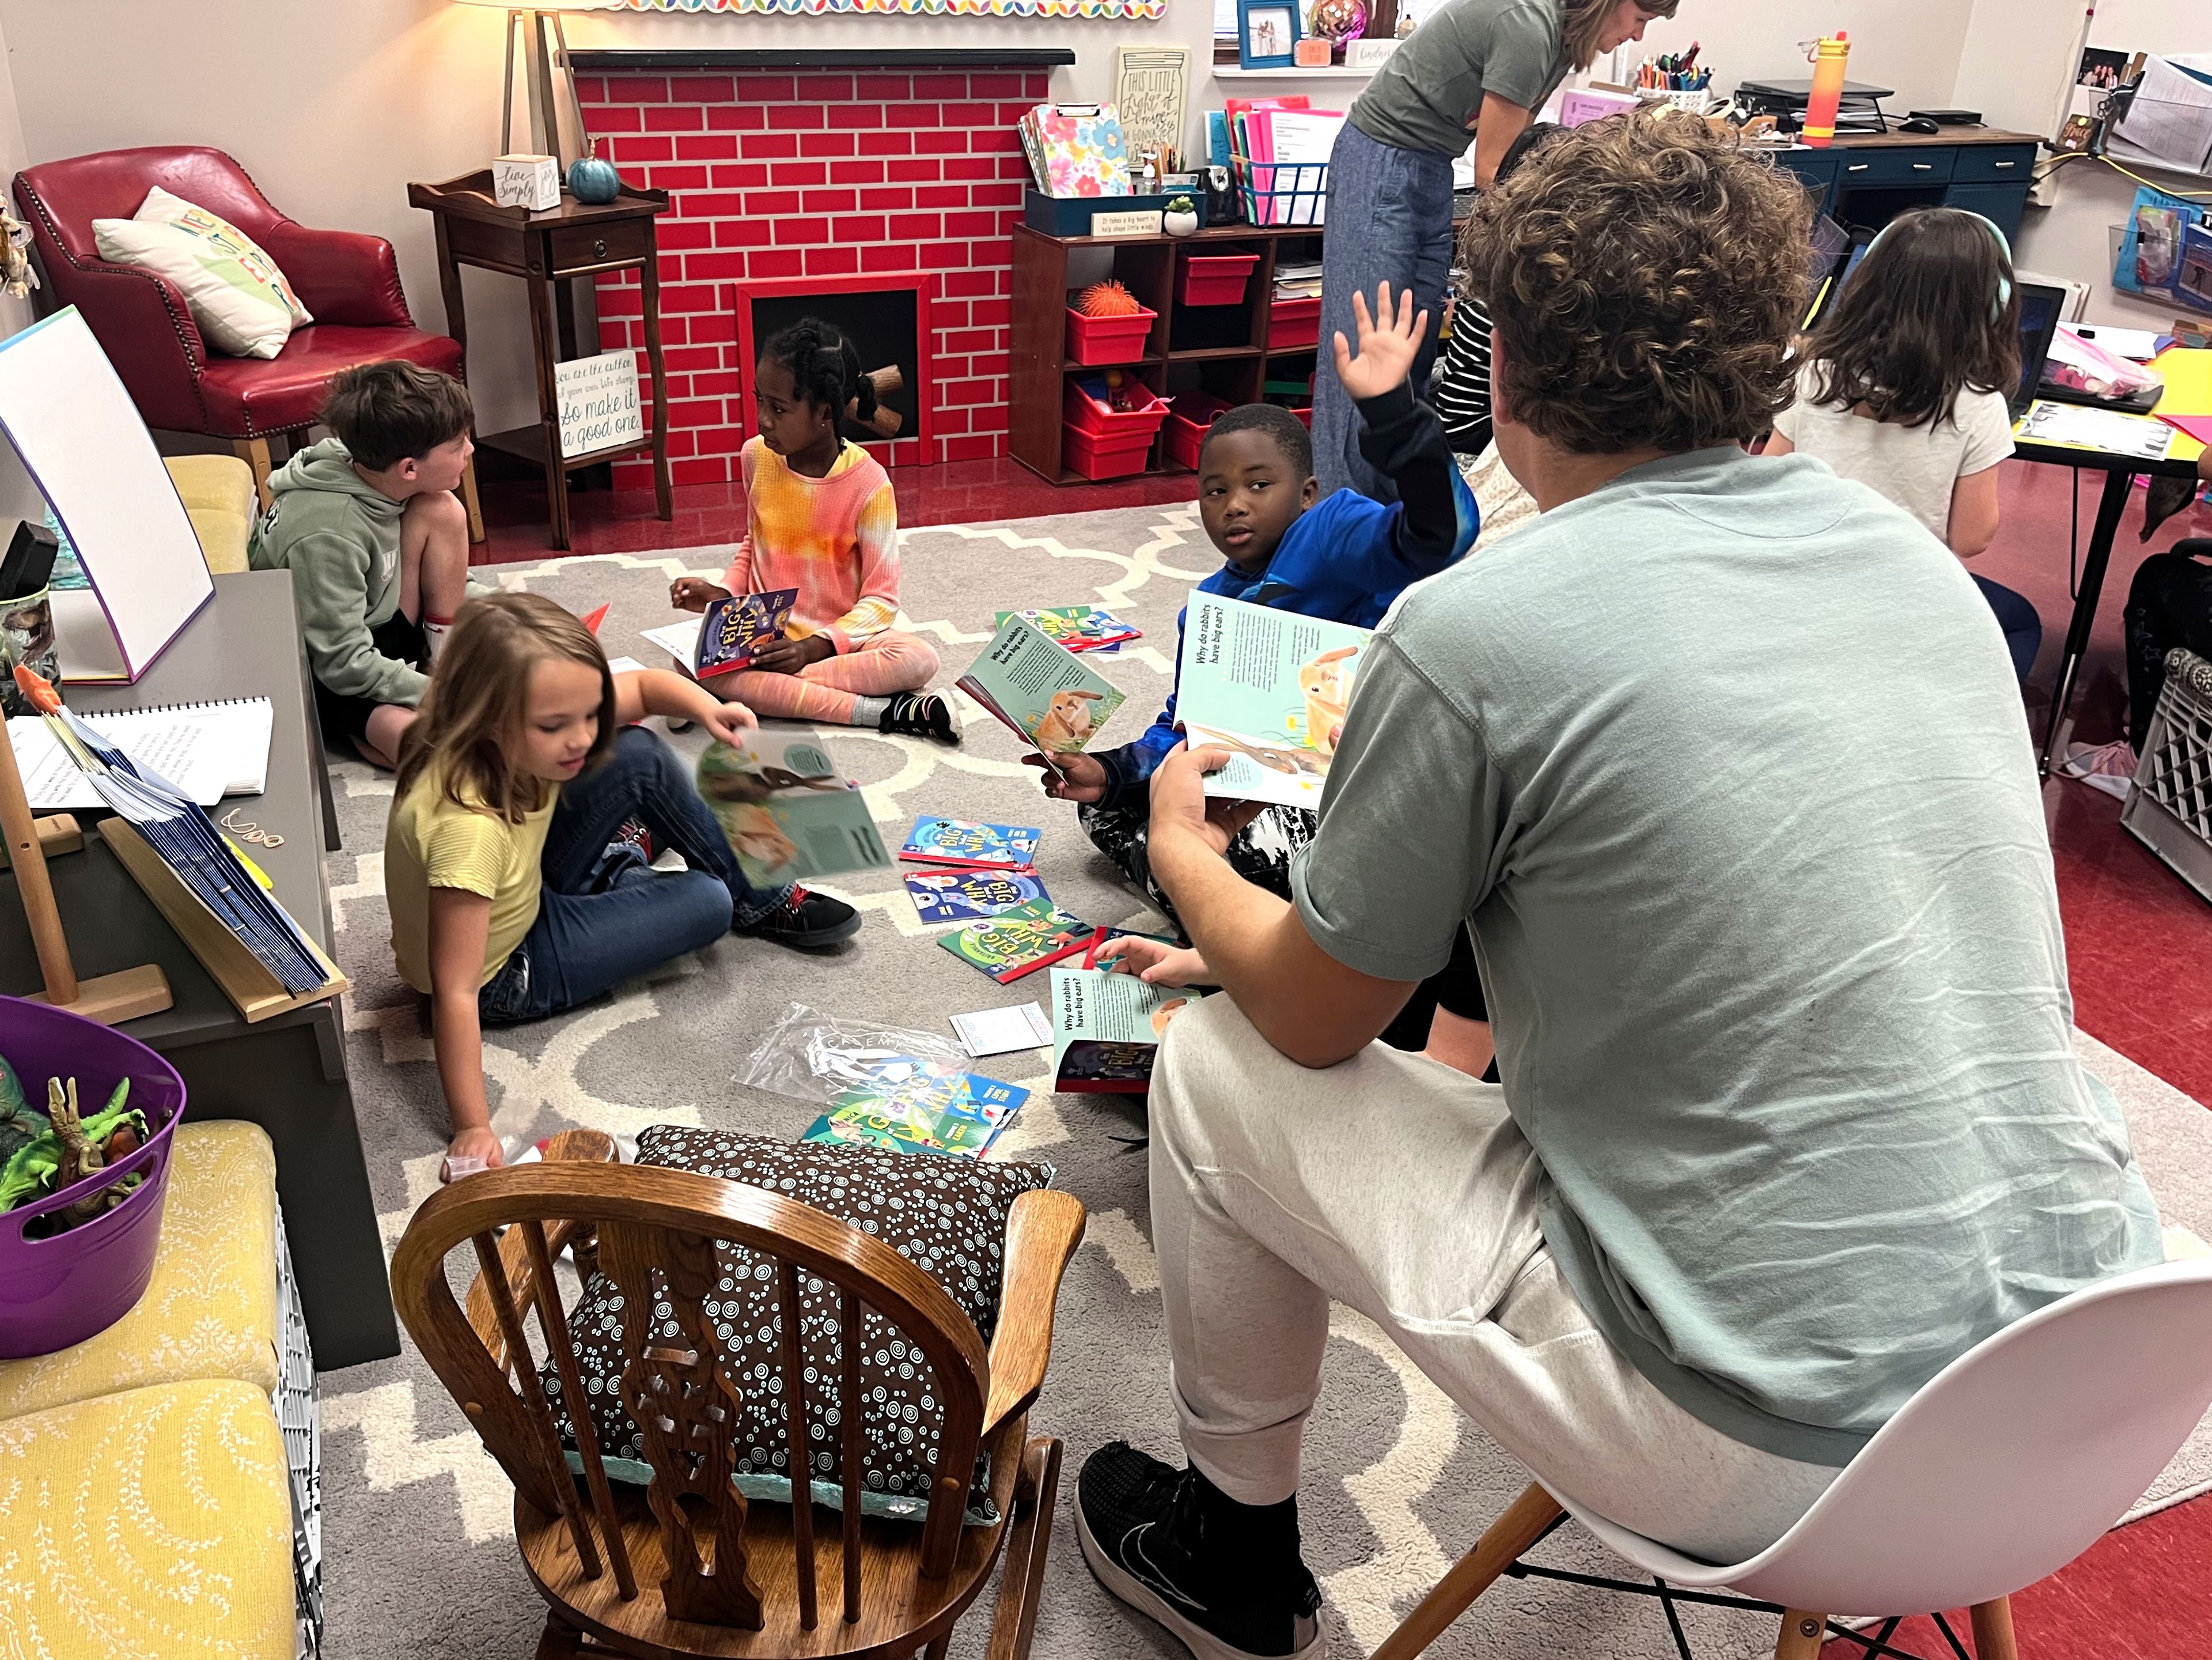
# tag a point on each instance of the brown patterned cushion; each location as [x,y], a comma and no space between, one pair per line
[945,1215]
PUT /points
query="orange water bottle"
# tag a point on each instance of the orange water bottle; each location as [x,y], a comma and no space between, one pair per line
[1829,59]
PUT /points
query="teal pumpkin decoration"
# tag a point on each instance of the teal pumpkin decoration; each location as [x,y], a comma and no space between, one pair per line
[592,180]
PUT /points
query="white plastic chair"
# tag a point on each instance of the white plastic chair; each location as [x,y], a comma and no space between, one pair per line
[2013,1460]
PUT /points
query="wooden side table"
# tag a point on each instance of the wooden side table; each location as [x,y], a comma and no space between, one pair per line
[554,248]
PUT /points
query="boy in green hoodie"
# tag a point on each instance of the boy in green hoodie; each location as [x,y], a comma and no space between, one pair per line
[378,546]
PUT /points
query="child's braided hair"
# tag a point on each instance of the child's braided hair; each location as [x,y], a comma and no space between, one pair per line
[825,368]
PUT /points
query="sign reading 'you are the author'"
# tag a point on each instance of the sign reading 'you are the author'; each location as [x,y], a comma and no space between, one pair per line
[598,404]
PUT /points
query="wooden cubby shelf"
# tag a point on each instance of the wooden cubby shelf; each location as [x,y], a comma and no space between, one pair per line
[1046,268]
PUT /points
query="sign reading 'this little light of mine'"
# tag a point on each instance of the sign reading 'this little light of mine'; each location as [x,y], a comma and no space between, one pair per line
[598,404]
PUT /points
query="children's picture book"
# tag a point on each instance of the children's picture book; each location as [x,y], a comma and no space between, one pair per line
[1079,628]
[736,626]
[916,1105]
[1036,685]
[788,815]
[1273,688]
[1106,1030]
[966,845]
[962,895]
[1019,941]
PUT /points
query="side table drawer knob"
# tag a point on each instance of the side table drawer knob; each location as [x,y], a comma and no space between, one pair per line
[599,248]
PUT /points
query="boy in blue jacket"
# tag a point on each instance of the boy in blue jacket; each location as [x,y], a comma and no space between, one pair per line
[1343,558]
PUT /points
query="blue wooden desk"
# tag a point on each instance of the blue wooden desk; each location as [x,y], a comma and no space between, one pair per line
[1868,179]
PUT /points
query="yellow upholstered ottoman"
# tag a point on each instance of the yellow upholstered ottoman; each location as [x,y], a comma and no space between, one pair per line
[155,1523]
[210,1310]
[219,499]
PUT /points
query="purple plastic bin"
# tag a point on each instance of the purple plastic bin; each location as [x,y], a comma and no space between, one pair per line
[57,1292]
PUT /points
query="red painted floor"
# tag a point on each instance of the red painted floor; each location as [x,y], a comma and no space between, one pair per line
[2138,938]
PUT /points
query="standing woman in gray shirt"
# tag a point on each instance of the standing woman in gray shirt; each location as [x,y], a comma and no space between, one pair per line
[1478,67]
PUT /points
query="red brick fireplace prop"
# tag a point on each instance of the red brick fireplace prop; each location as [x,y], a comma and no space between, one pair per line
[890,321]
[787,168]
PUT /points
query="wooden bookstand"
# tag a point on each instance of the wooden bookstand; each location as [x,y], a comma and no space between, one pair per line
[109,998]
[257,992]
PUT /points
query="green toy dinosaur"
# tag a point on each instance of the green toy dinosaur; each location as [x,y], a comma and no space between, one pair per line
[68,1149]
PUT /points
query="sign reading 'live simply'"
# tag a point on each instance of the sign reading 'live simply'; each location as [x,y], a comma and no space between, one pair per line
[598,404]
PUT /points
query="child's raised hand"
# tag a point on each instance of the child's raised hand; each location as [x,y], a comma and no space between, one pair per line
[1154,963]
[695,592]
[1388,343]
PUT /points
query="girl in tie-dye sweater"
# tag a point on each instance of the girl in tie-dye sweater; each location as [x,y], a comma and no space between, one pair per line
[823,522]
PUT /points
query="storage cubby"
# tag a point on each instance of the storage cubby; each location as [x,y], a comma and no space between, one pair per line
[1220,349]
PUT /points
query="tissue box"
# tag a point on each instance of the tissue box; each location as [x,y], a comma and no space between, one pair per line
[526,181]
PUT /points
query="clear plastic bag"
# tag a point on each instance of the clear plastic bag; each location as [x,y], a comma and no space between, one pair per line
[2084,366]
[813,1056]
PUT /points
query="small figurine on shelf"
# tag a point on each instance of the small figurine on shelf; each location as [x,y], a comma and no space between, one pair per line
[1338,21]
[1180,218]
[592,179]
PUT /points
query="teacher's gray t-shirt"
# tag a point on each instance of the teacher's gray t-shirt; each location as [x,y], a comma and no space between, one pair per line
[1428,92]
[1726,765]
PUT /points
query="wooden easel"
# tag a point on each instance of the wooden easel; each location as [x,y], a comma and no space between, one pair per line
[109,998]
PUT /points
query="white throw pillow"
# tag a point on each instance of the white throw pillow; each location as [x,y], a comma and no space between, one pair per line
[238,296]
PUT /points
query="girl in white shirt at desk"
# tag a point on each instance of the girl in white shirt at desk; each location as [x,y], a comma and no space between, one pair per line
[1906,387]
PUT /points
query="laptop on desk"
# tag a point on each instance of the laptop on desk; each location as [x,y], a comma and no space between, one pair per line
[2040,309]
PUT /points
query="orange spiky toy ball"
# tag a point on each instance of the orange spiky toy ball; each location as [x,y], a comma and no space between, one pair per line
[1107,300]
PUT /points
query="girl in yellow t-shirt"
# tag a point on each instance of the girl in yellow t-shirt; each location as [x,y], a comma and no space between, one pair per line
[513,894]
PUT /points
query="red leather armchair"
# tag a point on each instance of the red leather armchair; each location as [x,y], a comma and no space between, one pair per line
[349,282]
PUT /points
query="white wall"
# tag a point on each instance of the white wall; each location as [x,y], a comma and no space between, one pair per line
[19,497]
[2019,55]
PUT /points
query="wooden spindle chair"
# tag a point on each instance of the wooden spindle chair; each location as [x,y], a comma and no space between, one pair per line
[689,1567]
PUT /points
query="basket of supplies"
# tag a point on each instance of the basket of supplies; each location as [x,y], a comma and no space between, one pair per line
[1282,193]
[1108,424]
[86,1117]
[2169,810]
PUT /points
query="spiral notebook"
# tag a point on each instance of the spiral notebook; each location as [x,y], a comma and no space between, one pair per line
[208,750]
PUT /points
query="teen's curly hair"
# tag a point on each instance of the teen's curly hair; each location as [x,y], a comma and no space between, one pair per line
[1643,275]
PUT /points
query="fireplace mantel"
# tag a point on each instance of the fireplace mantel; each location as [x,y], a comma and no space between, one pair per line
[617,61]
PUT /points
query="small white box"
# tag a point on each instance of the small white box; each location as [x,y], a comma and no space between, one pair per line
[526,181]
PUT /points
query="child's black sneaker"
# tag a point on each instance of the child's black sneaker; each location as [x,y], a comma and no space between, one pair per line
[920,714]
[807,920]
[1225,1578]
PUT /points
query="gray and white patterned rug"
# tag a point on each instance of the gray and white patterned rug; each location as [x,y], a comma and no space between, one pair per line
[421,1561]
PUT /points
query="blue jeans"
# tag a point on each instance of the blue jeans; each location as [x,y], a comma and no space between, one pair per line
[2017,616]
[1389,220]
[606,917]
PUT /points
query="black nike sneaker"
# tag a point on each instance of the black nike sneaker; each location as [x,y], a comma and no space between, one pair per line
[1226,1578]
[807,920]
[920,714]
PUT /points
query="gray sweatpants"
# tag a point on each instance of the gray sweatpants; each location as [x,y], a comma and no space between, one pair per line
[1404,1189]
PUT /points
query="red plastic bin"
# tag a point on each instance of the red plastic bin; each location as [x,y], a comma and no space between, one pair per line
[1294,325]
[1111,426]
[1103,340]
[1215,279]
[1193,414]
[1096,457]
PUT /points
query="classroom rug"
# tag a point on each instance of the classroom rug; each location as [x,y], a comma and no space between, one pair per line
[418,1530]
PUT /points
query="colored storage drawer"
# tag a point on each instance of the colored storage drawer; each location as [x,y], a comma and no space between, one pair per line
[1187,423]
[1095,458]
[1294,325]
[1215,279]
[1084,409]
[1103,340]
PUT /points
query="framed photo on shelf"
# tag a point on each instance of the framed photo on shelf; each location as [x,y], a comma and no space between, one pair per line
[1267,34]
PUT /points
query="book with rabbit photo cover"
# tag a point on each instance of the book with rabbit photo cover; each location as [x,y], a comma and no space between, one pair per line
[1036,685]
[962,895]
[788,814]
[1271,687]
[1106,1030]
